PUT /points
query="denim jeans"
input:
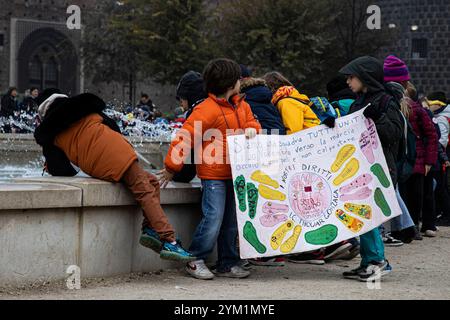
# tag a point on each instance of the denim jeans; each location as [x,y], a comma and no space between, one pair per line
[218,224]
[403,221]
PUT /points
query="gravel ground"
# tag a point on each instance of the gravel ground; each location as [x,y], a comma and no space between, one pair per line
[420,272]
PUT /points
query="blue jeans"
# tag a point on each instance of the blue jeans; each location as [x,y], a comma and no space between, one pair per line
[403,221]
[218,224]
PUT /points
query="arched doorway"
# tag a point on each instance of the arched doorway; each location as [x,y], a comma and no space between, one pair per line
[48,59]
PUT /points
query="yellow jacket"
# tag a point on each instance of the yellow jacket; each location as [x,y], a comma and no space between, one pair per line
[296,115]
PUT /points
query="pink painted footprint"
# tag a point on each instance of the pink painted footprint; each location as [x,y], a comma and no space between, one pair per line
[370,125]
[361,194]
[365,143]
[269,220]
[361,181]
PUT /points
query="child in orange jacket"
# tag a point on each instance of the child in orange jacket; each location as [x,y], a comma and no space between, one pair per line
[206,132]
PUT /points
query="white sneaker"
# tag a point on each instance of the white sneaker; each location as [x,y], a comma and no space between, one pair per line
[430,234]
[234,272]
[199,270]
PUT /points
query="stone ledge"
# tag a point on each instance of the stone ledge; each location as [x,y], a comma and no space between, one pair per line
[98,193]
[20,195]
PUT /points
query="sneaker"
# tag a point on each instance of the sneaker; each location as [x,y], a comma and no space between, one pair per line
[199,270]
[150,239]
[234,272]
[348,254]
[175,252]
[269,262]
[333,251]
[390,241]
[406,236]
[245,264]
[355,273]
[315,257]
[375,271]
[430,234]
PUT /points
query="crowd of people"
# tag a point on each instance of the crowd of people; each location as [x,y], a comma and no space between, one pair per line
[413,130]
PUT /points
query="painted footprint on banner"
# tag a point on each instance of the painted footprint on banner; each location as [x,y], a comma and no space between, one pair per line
[252,195]
[343,155]
[274,208]
[361,194]
[371,128]
[263,178]
[381,202]
[364,211]
[365,143]
[322,236]
[353,224]
[280,233]
[291,242]
[252,237]
[350,170]
[271,194]
[274,214]
[241,192]
[360,182]
[378,171]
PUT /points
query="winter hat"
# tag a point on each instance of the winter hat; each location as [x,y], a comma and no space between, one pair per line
[396,90]
[395,70]
[43,107]
[191,88]
[338,89]
[245,72]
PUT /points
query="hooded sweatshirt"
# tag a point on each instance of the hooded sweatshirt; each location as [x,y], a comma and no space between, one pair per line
[259,97]
[296,115]
[441,117]
[390,125]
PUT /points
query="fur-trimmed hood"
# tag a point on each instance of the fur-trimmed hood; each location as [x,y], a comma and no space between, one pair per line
[248,83]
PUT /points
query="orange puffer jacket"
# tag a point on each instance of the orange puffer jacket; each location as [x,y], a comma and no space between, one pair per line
[96,149]
[210,151]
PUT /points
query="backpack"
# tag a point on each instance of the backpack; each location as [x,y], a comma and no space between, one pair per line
[407,153]
[320,106]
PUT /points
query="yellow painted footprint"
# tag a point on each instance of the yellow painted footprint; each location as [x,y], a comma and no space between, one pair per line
[280,233]
[343,155]
[353,224]
[350,170]
[290,243]
[263,178]
[271,194]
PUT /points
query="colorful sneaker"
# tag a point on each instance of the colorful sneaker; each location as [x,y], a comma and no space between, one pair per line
[234,272]
[150,239]
[199,270]
[375,271]
[333,251]
[175,252]
[315,257]
[390,241]
[269,262]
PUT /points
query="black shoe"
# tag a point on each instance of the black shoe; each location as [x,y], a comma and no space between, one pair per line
[417,235]
[355,273]
[375,271]
[315,257]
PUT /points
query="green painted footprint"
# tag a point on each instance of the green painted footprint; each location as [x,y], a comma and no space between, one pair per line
[381,202]
[378,171]
[252,238]
[322,236]
[239,187]
[252,194]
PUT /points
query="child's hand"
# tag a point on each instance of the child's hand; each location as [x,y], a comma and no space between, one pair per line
[164,177]
[250,133]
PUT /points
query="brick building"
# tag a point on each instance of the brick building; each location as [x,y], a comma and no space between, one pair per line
[423,29]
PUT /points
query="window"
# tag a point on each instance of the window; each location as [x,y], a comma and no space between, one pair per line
[51,74]
[35,70]
[2,41]
[419,48]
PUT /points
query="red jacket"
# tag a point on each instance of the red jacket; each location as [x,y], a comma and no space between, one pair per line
[213,113]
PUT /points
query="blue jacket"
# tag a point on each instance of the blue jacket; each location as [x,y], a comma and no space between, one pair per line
[259,97]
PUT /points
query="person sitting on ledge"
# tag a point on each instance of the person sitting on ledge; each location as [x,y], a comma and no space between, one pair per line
[76,131]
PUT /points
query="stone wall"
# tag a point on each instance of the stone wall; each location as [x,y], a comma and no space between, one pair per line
[49,224]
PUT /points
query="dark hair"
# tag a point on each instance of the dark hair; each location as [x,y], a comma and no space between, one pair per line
[276,80]
[11,89]
[32,89]
[220,75]
[144,95]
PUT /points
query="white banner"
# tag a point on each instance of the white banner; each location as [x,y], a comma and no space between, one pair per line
[312,189]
